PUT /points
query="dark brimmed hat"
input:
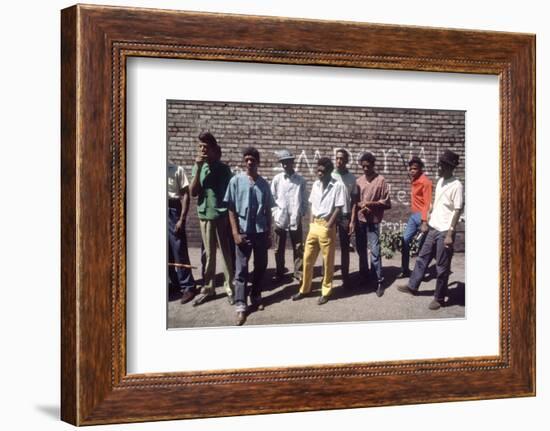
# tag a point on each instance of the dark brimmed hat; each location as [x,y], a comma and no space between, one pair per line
[416,160]
[449,158]
[284,155]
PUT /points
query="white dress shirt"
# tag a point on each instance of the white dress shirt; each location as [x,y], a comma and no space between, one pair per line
[289,193]
[324,201]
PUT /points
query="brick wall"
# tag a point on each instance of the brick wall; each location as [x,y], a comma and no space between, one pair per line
[393,135]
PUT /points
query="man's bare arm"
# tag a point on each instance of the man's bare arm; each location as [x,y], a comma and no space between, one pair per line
[237,237]
[195,186]
[333,217]
[184,201]
[450,237]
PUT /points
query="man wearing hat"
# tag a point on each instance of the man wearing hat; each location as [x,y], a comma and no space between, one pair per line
[421,199]
[289,191]
[446,209]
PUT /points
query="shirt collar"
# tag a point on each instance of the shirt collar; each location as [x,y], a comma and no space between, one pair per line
[289,176]
[448,180]
[329,185]
[420,178]
[372,179]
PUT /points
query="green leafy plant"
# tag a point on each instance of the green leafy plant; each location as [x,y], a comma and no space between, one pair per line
[392,241]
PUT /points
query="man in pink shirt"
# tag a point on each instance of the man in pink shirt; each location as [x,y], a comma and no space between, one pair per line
[372,199]
[421,199]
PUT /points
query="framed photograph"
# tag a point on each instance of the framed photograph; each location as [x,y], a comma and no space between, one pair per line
[283,215]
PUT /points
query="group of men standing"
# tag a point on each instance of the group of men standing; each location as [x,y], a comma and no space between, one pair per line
[238,213]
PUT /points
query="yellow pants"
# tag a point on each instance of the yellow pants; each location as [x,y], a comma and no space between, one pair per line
[318,239]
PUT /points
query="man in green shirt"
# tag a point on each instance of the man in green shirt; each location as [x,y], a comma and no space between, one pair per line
[209,184]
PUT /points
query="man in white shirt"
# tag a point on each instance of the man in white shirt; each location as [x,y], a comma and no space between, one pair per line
[343,174]
[446,209]
[327,198]
[289,191]
[179,268]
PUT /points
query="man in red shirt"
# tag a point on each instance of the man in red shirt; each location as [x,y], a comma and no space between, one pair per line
[421,199]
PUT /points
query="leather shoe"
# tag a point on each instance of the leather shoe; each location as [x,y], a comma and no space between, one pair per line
[187,296]
[380,290]
[435,305]
[405,289]
[298,296]
[241,318]
[322,300]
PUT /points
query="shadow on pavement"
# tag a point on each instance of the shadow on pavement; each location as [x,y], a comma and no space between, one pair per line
[288,286]
[457,295]
[174,295]
[284,294]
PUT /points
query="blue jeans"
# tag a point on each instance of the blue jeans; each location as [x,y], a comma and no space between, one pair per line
[413,224]
[367,237]
[253,243]
[434,246]
[181,278]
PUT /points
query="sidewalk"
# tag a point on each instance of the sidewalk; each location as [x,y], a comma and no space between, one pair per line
[358,303]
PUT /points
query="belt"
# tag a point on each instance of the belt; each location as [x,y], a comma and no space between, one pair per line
[174,202]
[320,220]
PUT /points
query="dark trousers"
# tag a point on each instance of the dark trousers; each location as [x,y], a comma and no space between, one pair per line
[181,278]
[367,238]
[342,227]
[433,245]
[246,286]
[413,224]
[297,241]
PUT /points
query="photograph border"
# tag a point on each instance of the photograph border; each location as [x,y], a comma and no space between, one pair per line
[95,43]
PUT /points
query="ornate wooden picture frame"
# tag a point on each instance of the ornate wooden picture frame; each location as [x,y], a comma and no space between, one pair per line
[96,42]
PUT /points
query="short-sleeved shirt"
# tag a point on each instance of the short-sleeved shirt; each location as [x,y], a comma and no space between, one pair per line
[349,181]
[251,201]
[289,192]
[177,181]
[421,196]
[214,179]
[449,198]
[323,201]
[375,190]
